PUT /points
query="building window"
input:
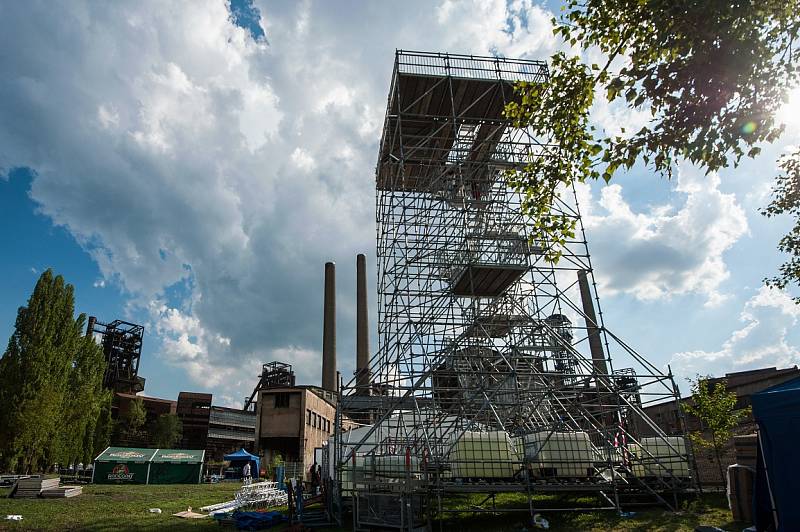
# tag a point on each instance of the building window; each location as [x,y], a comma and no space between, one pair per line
[282,400]
[315,420]
[327,425]
[308,417]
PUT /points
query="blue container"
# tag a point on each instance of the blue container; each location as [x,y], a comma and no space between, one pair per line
[280,473]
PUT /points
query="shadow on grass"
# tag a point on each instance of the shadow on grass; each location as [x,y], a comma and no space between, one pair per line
[709,510]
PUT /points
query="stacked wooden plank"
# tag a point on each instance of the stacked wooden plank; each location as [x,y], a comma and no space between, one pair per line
[746,448]
[741,483]
[62,492]
[10,480]
[33,486]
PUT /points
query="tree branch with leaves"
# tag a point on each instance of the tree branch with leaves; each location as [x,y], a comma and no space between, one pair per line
[711,75]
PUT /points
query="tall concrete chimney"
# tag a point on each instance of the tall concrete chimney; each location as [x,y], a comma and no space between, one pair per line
[329,329]
[90,325]
[362,326]
[595,342]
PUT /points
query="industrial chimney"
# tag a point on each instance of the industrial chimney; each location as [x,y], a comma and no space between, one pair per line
[595,343]
[362,327]
[90,325]
[329,329]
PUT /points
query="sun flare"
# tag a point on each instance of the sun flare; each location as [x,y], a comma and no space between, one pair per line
[789,113]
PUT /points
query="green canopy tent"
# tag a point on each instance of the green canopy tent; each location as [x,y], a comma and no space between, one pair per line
[122,465]
[128,465]
[176,466]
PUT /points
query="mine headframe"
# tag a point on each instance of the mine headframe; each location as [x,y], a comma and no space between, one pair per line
[273,375]
[121,342]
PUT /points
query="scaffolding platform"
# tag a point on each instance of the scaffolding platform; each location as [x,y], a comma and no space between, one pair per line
[446,108]
[486,280]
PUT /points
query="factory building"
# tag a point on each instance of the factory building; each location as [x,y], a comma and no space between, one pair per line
[296,421]
[193,410]
[229,429]
[744,384]
[153,407]
[293,421]
[279,417]
[217,429]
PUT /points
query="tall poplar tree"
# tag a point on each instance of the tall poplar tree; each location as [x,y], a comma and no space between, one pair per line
[50,382]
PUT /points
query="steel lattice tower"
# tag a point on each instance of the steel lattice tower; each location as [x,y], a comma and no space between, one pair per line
[481,339]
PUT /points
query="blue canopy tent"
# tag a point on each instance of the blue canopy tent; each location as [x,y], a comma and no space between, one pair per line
[777,412]
[242,457]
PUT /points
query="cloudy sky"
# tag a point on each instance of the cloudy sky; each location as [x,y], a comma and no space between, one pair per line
[192,165]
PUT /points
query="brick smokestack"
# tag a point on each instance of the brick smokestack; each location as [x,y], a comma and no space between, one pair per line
[90,325]
[329,329]
[595,343]
[362,327]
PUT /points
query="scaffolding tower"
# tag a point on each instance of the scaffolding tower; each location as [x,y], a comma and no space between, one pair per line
[494,368]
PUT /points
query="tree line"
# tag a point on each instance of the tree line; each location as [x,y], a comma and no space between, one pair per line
[54,407]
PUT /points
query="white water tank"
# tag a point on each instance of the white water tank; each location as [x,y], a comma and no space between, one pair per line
[484,455]
[660,457]
[560,454]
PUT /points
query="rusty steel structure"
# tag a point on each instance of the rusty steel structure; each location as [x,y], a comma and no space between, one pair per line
[495,371]
[122,347]
[274,374]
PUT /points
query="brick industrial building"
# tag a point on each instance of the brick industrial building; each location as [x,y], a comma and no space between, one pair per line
[744,384]
[279,417]
[153,407]
[217,429]
[293,422]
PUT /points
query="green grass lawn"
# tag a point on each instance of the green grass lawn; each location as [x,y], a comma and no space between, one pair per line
[119,508]
[711,509]
[108,507]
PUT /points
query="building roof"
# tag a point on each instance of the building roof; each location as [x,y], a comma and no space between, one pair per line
[316,390]
[738,379]
[145,398]
[743,378]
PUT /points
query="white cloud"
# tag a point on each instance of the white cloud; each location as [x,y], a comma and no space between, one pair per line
[99,283]
[303,160]
[763,340]
[667,250]
[515,29]
[108,116]
[178,150]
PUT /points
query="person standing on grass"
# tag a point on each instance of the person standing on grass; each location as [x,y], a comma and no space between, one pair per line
[314,480]
[299,497]
[246,473]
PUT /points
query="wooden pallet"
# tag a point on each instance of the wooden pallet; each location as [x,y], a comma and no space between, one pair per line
[62,492]
[31,487]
